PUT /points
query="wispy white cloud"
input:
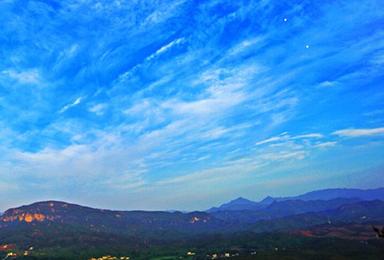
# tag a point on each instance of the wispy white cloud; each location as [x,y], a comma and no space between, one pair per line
[23,77]
[327,84]
[285,136]
[165,48]
[149,58]
[163,12]
[100,162]
[359,132]
[98,109]
[305,136]
[76,102]
[235,169]
[246,45]
[272,139]
[325,144]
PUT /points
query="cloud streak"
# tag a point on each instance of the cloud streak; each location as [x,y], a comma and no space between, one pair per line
[76,102]
[359,132]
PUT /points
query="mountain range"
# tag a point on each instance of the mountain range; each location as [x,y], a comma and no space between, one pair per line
[236,214]
[55,224]
[325,195]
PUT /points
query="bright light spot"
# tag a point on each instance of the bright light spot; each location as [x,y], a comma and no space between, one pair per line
[307,46]
[285,19]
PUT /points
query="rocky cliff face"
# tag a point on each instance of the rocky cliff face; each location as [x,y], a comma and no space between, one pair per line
[37,212]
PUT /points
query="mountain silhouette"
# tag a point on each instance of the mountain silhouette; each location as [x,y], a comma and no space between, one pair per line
[326,194]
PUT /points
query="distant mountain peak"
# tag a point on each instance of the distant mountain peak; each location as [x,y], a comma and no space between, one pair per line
[239,203]
[240,200]
[267,201]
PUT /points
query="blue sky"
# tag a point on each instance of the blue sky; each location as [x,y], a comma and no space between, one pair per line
[186,104]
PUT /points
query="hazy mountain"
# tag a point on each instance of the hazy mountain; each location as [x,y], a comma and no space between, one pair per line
[327,194]
[237,204]
[367,212]
[280,209]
